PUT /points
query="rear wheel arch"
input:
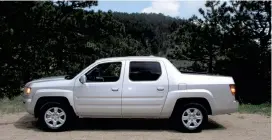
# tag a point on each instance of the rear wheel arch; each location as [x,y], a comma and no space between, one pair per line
[199,100]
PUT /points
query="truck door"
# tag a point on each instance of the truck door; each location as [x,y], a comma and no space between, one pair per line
[145,88]
[100,96]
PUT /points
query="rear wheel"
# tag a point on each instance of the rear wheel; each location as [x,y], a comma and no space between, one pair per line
[190,118]
[55,117]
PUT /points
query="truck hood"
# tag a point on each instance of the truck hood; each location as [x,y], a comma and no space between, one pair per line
[47,79]
[206,79]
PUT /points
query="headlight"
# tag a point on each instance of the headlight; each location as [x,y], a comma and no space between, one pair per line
[27,90]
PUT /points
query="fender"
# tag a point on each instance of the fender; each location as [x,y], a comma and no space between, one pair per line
[54,93]
[173,96]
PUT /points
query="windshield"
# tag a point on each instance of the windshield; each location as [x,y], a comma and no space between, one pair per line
[70,76]
[73,74]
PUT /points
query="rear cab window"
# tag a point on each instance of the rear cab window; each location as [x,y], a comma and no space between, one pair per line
[144,70]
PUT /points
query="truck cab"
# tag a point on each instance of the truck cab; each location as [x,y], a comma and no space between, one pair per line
[122,88]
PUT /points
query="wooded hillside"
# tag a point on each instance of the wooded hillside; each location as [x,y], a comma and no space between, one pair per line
[40,39]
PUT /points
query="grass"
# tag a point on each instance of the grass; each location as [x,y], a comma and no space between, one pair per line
[263,109]
[11,105]
[16,105]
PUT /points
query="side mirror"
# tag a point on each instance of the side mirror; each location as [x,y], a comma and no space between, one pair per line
[83,79]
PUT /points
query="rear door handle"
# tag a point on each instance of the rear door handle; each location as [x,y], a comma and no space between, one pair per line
[160,88]
[114,89]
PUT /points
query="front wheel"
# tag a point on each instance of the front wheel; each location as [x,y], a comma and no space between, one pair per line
[190,118]
[54,117]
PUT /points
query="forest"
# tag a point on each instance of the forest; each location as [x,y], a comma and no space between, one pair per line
[46,38]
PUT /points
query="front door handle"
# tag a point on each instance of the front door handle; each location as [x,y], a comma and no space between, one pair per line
[160,88]
[114,89]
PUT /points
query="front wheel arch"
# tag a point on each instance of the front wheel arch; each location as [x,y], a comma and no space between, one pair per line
[45,100]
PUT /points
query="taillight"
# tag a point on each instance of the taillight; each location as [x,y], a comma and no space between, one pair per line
[232,89]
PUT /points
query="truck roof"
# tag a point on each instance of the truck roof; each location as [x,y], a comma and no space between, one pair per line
[132,58]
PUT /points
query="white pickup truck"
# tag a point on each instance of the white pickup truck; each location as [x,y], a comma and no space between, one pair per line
[130,87]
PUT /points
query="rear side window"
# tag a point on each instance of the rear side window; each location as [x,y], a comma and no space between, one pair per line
[144,71]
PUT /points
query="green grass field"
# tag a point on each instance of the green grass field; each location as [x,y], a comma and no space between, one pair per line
[264,109]
[11,106]
[16,105]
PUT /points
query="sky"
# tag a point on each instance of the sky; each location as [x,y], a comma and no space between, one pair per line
[173,8]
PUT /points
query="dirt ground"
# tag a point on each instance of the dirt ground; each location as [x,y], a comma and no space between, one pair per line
[21,126]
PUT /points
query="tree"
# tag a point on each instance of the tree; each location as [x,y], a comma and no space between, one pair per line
[231,40]
[63,37]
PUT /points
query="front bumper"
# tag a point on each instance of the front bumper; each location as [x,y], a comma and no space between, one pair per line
[28,105]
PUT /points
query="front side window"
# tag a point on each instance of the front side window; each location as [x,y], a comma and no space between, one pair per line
[144,71]
[106,72]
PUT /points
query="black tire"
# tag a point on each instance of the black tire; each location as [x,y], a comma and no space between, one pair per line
[177,123]
[69,117]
